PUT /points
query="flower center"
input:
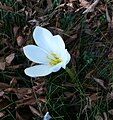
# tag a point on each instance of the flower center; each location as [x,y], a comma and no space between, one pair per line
[54,59]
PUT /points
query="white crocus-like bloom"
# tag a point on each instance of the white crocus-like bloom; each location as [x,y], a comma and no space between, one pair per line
[47,116]
[50,53]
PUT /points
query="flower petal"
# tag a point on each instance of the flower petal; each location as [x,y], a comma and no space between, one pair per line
[47,116]
[44,39]
[38,71]
[35,54]
[56,67]
[66,58]
[59,44]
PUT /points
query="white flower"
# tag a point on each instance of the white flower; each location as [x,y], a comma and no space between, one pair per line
[50,53]
[47,116]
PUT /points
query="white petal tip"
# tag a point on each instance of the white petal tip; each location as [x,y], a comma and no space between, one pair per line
[38,71]
[47,116]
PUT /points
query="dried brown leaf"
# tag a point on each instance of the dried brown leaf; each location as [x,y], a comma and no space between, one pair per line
[13,82]
[40,88]
[4,7]
[110,56]
[100,82]
[1,93]
[42,100]
[99,117]
[107,15]
[89,74]
[2,65]
[14,67]
[1,114]
[111,111]
[34,22]
[70,5]
[34,111]
[91,7]
[110,20]
[10,90]
[20,41]
[15,31]
[49,3]
[105,116]
[94,96]
[10,58]
[22,92]
[26,101]
[110,96]
[3,85]
[72,38]
[19,1]
[91,87]
[68,94]
[39,91]
[84,3]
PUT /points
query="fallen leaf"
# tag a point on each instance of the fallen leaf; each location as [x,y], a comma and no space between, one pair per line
[84,3]
[22,92]
[2,65]
[99,117]
[5,7]
[39,91]
[3,85]
[40,88]
[10,58]
[1,93]
[107,15]
[34,22]
[14,67]
[42,99]
[26,101]
[91,87]
[91,7]
[105,116]
[72,38]
[19,1]
[1,114]
[34,111]
[20,41]
[68,94]
[100,82]
[110,56]
[49,2]
[15,30]
[13,82]
[111,111]
[94,96]
[10,90]
[89,74]
[110,96]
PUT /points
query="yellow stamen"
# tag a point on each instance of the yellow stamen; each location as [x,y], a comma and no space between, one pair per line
[54,59]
